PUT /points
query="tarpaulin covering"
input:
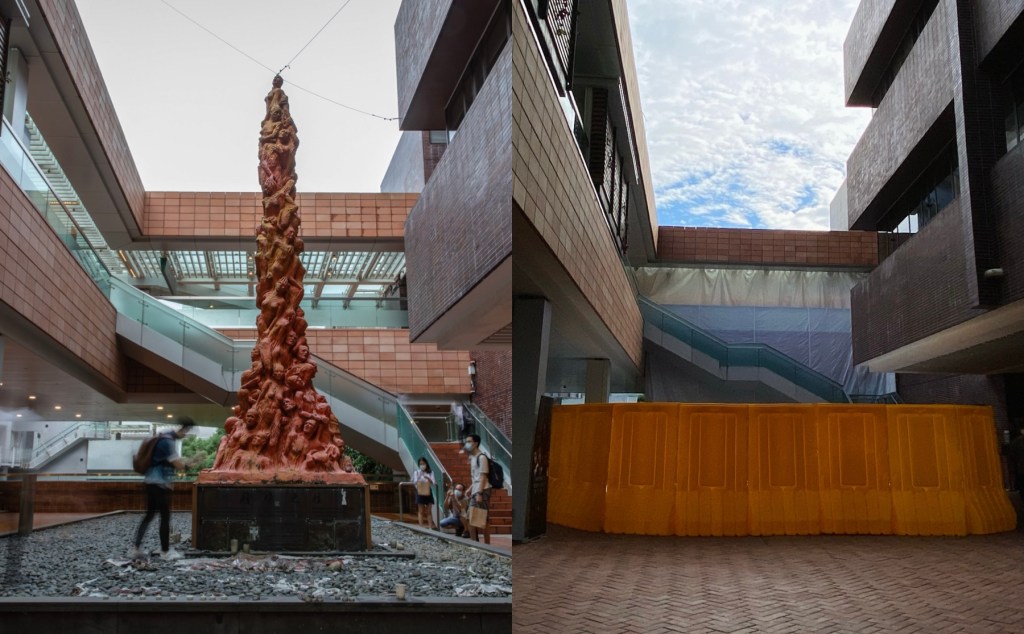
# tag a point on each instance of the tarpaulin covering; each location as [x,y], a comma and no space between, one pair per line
[803,314]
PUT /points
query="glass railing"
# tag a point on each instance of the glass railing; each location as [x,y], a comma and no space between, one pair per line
[742,355]
[410,435]
[18,162]
[493,441]
[241,312]
[232,357]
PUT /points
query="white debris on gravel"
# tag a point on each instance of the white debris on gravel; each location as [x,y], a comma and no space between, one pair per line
[90,559]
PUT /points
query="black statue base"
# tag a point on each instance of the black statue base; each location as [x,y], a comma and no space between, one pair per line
[300,517]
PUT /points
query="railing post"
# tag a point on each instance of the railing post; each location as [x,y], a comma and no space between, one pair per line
[27,504]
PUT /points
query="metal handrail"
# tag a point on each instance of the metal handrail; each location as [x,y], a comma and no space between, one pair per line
[102,430]
[743,354]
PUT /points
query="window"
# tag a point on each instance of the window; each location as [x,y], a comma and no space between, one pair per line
[937,187]
[1014,125]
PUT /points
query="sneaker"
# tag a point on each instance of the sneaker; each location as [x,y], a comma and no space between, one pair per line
[170,555]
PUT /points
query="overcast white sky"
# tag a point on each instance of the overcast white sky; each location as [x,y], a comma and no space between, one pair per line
[191,107]
[743,104]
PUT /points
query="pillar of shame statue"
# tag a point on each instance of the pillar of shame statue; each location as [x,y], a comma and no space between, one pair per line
[282,429]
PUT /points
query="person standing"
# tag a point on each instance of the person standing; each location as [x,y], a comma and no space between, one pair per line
[480,490]
[424,481]
[159,481]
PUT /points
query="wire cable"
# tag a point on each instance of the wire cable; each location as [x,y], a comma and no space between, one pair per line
[262,65]
[289,64]
[238,50]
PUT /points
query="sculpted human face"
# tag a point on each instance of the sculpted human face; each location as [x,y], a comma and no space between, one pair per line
[302,353]
[291,339]
[288,404]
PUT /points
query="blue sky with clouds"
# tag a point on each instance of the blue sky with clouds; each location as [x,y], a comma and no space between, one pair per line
[743,104]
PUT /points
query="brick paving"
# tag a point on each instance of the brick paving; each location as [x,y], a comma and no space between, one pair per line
[573,581]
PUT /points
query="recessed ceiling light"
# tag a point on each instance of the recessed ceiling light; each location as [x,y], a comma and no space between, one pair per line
[31,397]
[56,407]
[159,407]
[18,415]
[170,415]
[78,415]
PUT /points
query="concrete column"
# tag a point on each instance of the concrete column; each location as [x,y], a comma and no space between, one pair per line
[599,381]
[531,328]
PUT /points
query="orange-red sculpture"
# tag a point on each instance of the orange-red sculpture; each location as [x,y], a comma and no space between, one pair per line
[281,429]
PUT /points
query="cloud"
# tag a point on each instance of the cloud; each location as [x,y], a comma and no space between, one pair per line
[743,105]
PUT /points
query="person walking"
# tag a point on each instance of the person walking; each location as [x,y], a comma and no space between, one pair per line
[424,481]
[480,490]
[159,481]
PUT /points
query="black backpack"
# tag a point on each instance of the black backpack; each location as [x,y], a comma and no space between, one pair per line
[495,474]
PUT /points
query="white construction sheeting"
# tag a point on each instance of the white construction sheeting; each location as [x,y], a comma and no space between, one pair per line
[803,314]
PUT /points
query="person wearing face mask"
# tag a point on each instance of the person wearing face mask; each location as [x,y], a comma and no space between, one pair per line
[456,504]
[424,481]
[480,490]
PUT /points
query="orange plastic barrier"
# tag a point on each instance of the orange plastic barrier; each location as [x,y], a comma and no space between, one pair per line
[578,467]
[685,469]
[988,509]
[926,460]
[711,481]
[784,474]
[853,449]
[642,469]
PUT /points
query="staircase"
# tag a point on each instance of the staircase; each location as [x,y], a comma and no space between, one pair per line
[457,465]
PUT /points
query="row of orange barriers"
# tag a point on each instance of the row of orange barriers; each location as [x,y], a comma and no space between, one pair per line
[684,469]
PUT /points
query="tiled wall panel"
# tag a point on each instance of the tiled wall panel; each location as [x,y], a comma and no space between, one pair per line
[761,246]
[387,359]
[564,210]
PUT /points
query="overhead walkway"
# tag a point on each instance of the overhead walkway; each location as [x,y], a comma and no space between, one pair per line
[756,366]
[198,357]
[211,364]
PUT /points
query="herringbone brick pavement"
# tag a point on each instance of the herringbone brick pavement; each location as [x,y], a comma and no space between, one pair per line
[573,581]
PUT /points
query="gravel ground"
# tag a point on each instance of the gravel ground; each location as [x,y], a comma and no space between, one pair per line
[90,559]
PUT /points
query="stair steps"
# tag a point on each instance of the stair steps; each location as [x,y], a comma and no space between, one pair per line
[457,466]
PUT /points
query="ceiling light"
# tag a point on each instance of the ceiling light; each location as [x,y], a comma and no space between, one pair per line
[170,415]
[159,407]
[18,415]
[31,397]
[57,407]
[78,415]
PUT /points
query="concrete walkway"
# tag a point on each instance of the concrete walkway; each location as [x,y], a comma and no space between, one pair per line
[9,521]
[573,581]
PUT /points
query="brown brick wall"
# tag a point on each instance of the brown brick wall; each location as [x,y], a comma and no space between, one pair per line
[763,246]
[460,230]
[387,359]
[69,34]
[41,281]
[916,292]
[324,215]
[142,379]
[956,389]
[90,497]
[553,188]
[494,387]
